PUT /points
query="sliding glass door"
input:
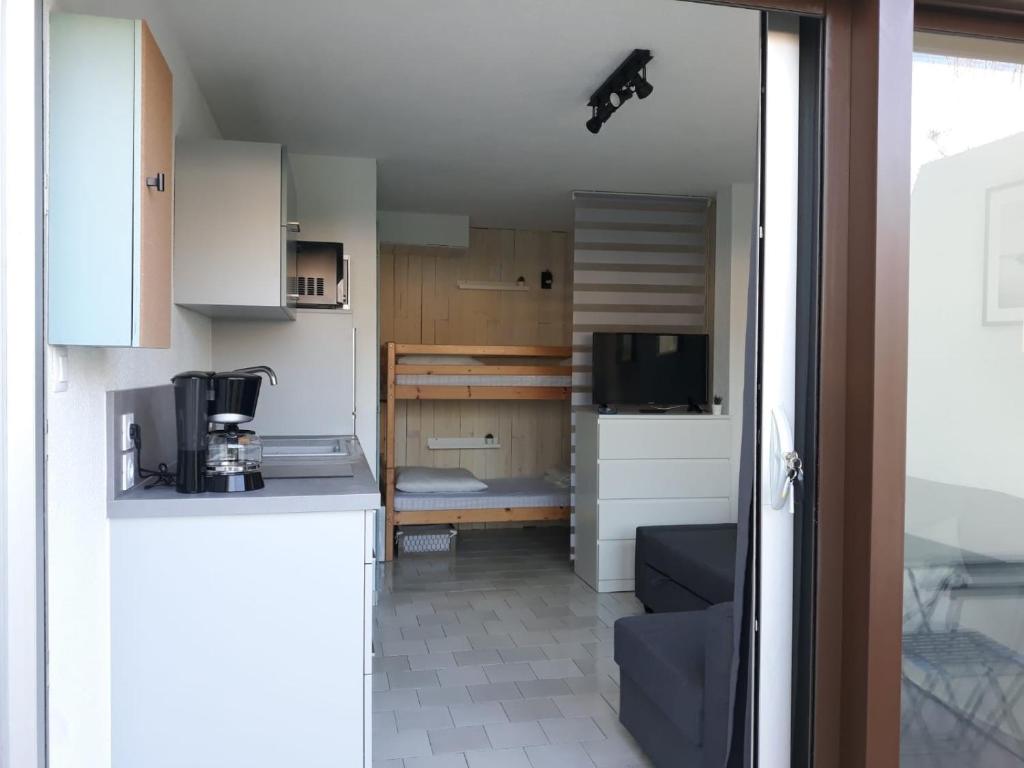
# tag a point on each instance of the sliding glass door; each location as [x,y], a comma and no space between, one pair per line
[963,578]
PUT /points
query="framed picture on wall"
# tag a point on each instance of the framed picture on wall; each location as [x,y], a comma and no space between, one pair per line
[1004,254]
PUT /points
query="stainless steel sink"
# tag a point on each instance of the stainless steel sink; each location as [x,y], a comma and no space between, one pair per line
[293,456]
[317,446]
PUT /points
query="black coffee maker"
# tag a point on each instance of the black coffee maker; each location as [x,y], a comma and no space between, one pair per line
[224,458]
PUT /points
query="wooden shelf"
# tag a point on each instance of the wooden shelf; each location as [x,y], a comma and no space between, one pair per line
[489,285]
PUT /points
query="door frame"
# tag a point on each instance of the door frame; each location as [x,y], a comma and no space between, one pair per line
[868,54]
[22,589]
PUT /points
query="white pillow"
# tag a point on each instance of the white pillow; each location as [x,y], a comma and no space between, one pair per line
[438,360]
[437,480]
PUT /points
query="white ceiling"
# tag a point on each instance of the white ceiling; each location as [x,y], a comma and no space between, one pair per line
[478,106]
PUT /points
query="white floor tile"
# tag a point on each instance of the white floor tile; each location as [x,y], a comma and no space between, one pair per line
[459,739]
[442,697]
[530,709]
[509,673]
[423,719]
[566,730]
[615,753]
[482,713]
[461,641]
[584,705]
[436,761]
[557,669]
[401,745]
[431,661]
[462,676]
[386,701]
[559,756]
[525,734]
[494,692]
[412,679]
[448,644]
[540,688]
[498,758]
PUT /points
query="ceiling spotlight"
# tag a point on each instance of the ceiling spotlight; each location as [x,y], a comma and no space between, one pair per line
[600,116]
[630,77]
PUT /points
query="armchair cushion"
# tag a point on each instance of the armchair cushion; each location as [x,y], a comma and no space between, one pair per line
[699,558]
[718,653]
[663,654]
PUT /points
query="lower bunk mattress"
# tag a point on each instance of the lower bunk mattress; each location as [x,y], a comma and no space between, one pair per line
[501,493]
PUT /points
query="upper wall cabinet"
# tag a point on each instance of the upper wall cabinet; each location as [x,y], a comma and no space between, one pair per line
[110,203]
[235,231]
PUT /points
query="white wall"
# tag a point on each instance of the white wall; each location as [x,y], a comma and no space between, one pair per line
[78,574]
[735,212]
[965,408]
[337,199]
[404,228]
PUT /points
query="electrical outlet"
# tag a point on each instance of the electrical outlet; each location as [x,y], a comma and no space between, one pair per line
[127,419]
[127,470]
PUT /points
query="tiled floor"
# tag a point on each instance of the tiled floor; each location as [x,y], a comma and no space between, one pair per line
[498,657]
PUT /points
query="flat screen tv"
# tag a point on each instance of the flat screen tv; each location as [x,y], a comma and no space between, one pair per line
[659,370]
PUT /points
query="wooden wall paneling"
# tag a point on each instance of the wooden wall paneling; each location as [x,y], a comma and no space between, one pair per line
[421,304]
[386,305]
[447,422]
[408,295]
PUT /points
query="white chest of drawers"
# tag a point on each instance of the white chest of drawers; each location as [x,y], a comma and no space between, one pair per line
[645,469]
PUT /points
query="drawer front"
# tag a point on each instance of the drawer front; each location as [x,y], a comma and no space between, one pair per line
[697,438]
[620,519]
[664,479]
[615,560]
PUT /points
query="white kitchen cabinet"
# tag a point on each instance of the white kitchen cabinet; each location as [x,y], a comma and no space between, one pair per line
[235,229]
[645,469]
[240,639]
[110,184]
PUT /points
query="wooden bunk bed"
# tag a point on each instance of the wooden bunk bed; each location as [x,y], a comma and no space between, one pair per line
[518,373]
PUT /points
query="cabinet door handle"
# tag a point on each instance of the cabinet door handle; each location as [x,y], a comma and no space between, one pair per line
[294,226]
[158,182]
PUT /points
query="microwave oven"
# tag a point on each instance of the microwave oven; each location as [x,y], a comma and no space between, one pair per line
[321,279]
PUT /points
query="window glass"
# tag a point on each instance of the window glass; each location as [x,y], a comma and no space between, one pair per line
[963,622]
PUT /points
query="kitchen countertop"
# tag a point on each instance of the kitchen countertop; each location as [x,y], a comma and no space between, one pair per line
[279,496]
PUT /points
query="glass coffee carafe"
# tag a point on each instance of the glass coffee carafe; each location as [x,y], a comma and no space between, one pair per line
[232,451]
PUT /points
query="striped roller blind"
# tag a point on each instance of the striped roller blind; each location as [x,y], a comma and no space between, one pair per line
[641,263]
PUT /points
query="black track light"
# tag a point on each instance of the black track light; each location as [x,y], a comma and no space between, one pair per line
[600,116]
[630,77]
[642,88]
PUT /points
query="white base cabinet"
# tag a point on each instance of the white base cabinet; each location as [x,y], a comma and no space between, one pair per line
[645,469]
[235,640]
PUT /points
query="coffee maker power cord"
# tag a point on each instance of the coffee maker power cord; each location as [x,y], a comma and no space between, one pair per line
[162,475]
